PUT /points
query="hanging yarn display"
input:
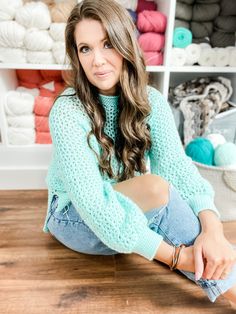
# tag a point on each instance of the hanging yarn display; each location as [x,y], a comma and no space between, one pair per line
[201,150]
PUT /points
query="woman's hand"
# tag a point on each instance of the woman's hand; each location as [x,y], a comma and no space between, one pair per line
[213,255]
[186,259]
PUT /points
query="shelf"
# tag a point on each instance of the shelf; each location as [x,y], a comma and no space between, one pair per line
[32,66]
[203,69]
[26,148]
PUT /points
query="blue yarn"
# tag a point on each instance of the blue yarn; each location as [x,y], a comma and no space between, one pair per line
[201,150]
[182,37]
[225,154]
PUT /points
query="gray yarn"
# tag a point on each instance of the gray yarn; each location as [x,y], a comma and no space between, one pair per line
[226,23]
[181,23]
[222,39]
[205,12]
[200,30]
[186,1]
[183,11]
[207,1]
[228,7]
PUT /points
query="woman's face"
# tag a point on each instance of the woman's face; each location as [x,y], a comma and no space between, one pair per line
[101,63]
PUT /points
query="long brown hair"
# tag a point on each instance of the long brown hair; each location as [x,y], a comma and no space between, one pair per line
[133,137]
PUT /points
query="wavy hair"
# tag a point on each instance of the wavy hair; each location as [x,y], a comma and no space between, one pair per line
[133,137]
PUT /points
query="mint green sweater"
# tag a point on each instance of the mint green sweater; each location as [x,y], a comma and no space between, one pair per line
[74,175]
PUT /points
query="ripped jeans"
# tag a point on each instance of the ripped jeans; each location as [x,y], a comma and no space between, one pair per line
[176,222]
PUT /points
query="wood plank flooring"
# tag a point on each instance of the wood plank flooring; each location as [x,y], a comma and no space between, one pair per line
[39,275]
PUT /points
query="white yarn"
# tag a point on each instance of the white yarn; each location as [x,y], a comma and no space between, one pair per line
[192,54]
[129,4]
[57,31]
[21,136]
[38,40]
[41,57]
[18,103]
[11,34]
[178,56]
[33,91]
[216,139]
[12,55]
[22,121]
[8,10]
[204,45]
[207,57]
[59,52]
[232,57]
[221,57]
[34,14]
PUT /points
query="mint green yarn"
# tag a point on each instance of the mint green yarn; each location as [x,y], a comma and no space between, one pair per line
[225,154]
[182,37]
[201,150]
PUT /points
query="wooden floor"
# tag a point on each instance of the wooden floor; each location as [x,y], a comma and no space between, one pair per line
[39,275]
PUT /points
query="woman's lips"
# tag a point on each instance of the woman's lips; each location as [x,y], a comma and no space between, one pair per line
[102,74]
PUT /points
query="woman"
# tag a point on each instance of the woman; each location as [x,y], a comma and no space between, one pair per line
[104,129]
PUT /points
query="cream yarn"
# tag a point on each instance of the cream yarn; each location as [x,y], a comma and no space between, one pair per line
[34,14]
[18,103]
[57,31]
[7,12]
[41,57]
[21,136]
[59,52]
[12,55]
[11,34]
[22,121]
[38,40]
[61,11]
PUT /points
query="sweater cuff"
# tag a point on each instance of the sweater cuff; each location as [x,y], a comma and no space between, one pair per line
[148,244]
[202,202]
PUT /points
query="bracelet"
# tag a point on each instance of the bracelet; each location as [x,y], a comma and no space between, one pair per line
[175,256]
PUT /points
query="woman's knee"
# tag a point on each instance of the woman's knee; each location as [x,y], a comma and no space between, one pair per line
[157,188]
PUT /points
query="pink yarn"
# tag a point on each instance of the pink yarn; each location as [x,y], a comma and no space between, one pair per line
[151,41]
[153,58]
[43,138]
[146,5]
[151,21]
[43,105]
[41,124]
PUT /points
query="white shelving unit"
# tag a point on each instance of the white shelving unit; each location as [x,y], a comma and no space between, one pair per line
[25,167]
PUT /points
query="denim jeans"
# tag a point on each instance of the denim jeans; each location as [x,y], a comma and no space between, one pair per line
[176,222]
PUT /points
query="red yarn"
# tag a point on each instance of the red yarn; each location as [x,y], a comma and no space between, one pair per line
[43,105]
[29,78]
[43,138]
[151,21]
[146,5]
[151,41]
[51,75]
[41,124]
[153,58]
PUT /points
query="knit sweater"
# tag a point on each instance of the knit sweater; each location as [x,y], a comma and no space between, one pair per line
[74,175]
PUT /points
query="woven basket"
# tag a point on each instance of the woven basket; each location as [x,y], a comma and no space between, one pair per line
[223,181]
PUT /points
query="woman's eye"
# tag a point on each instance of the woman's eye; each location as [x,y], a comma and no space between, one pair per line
[84,49]
[107,44]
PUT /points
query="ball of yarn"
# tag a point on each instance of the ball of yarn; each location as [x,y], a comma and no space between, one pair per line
[11,34]
[201,150]
[182,37]
[216,139]
[38,40]
[225,155]
[34,14]
[61,11]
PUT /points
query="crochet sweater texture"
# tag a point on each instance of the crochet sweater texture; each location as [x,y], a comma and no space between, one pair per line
[74,174]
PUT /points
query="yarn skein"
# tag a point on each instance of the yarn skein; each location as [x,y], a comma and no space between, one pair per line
[216,139]
[225,155]
[200,150]
[182,37]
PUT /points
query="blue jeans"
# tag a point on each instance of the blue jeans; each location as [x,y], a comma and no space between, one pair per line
[176,222]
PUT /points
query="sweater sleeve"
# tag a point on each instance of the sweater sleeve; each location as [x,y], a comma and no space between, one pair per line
[168,158]
[114,218]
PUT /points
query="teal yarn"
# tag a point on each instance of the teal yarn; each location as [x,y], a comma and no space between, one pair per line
[201,150]
[225,155]
[182,37]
